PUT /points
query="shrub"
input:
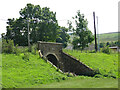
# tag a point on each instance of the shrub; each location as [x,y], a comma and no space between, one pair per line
[106,50]
[16,50]
[7,46]
[24,49]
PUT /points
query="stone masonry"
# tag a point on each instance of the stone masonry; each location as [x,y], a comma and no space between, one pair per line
[66,63]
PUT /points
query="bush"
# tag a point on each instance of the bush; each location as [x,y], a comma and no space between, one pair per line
[24,49]
[7,46]
[16,50]
[106,50]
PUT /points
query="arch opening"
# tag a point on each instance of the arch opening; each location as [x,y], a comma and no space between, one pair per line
[52,58]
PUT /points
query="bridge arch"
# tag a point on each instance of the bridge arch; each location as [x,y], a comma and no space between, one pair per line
[66,63]
[53,59]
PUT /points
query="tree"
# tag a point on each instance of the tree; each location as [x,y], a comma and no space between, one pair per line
[43,25]
[83,36]
[63,37]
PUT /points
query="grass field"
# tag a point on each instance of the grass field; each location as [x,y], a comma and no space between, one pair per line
[80,82]
[106,37]
[36,73]
[109,37]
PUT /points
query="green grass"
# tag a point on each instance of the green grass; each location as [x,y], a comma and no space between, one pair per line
[83,83]
[108,37]
[36,73]
[106,64]
[18,73]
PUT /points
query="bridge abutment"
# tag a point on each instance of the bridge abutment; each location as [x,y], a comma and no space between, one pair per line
[53,52]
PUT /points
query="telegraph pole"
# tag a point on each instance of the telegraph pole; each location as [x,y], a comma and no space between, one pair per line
[95,32]
[28,33]
[98,34]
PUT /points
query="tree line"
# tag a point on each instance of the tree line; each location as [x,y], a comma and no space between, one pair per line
[43,26]
[109,44]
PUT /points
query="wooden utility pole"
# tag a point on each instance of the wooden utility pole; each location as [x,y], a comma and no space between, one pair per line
[98,35]
[95,32]
[28,33]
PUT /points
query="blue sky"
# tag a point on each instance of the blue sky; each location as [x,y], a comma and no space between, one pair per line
[106,10]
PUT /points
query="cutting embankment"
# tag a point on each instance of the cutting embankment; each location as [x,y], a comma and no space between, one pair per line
[18,71]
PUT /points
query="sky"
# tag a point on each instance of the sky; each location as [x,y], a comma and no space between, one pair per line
[106,10]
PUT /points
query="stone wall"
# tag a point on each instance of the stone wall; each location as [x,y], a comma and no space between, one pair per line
[48,47]
[65,62]
[52,48]
[73,65]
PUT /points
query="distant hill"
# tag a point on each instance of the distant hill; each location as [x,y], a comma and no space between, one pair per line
[109,37]
[106,37]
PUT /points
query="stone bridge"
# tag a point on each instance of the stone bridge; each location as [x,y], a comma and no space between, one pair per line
[53,52]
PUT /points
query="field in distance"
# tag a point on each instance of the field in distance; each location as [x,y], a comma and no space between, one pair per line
[109,37]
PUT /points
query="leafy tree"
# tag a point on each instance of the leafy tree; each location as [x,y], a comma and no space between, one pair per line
[64,37]
[42,24]
[3,35]
[83,36]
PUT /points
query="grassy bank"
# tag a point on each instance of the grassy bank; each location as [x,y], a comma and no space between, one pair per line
[109,37]
[19,72]
[106,64]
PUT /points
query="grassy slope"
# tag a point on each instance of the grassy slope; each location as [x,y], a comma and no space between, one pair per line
[106,64]
[17,72]
[36,73]
[108,37]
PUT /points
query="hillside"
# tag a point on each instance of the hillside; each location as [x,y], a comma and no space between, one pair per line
[37,73]
[106,64]
[19,73]
[108,37]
